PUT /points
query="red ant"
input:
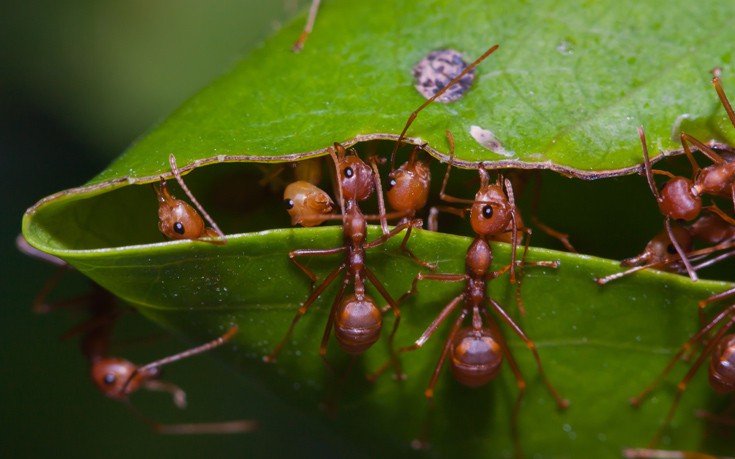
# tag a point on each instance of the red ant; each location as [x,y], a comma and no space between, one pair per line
[178,220]
[661,253]
[476,352]
[720,347]
[118,378]
[355,318]
[306,203]
[680,199]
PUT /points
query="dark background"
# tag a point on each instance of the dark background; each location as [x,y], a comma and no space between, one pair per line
[80,80]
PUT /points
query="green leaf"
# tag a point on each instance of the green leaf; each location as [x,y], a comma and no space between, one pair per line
[565,92]
[598,344]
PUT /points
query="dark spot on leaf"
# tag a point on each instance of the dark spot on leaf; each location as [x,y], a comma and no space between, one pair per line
[437,70]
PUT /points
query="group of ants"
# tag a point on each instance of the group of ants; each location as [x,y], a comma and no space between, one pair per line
[475,351]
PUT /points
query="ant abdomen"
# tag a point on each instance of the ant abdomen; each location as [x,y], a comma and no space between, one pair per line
[307,204]
[112,376]
[476,356]
[357,323]
[722,366]
[490,214]
[678,201]
[408,186]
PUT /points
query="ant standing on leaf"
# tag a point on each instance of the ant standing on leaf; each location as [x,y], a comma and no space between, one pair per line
[355,317]
[178,220]
[118,378]
[476,352]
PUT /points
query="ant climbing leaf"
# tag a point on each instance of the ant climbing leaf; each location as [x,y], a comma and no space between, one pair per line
[553,96]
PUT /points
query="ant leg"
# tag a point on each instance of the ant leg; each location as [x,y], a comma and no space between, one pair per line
[638,399]
[720,213]
[647,165]
[514,228]
[707,151]
[560,402]
[682,385]
[397,229]
[177,175]
[144,371]
[408,226]
[302,310]
[39,302]
[313,10]
[396,312]
[423,440]
[435,324]
[520,382]
[434,215]
[379,188]
[330,323]
[312,253]
[176,392]
[685,138]
[684,259]
[723,98]
[729,293]
[561,237]
[227,427]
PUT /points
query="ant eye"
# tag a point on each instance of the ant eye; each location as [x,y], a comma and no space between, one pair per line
[487,211]
[391,184]
[671,249]
[349,172]
[288,203]
[179,227]
[109,379]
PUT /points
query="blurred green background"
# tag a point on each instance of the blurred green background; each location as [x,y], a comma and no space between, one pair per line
[81,80]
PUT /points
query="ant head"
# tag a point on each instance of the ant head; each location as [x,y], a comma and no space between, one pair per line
[476,356]
[678,200]
[176,218]
[354,176]
[307,204]
[408,186]
[660,248]
[357,323]
[722,366]
[114,377]
[491,213]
